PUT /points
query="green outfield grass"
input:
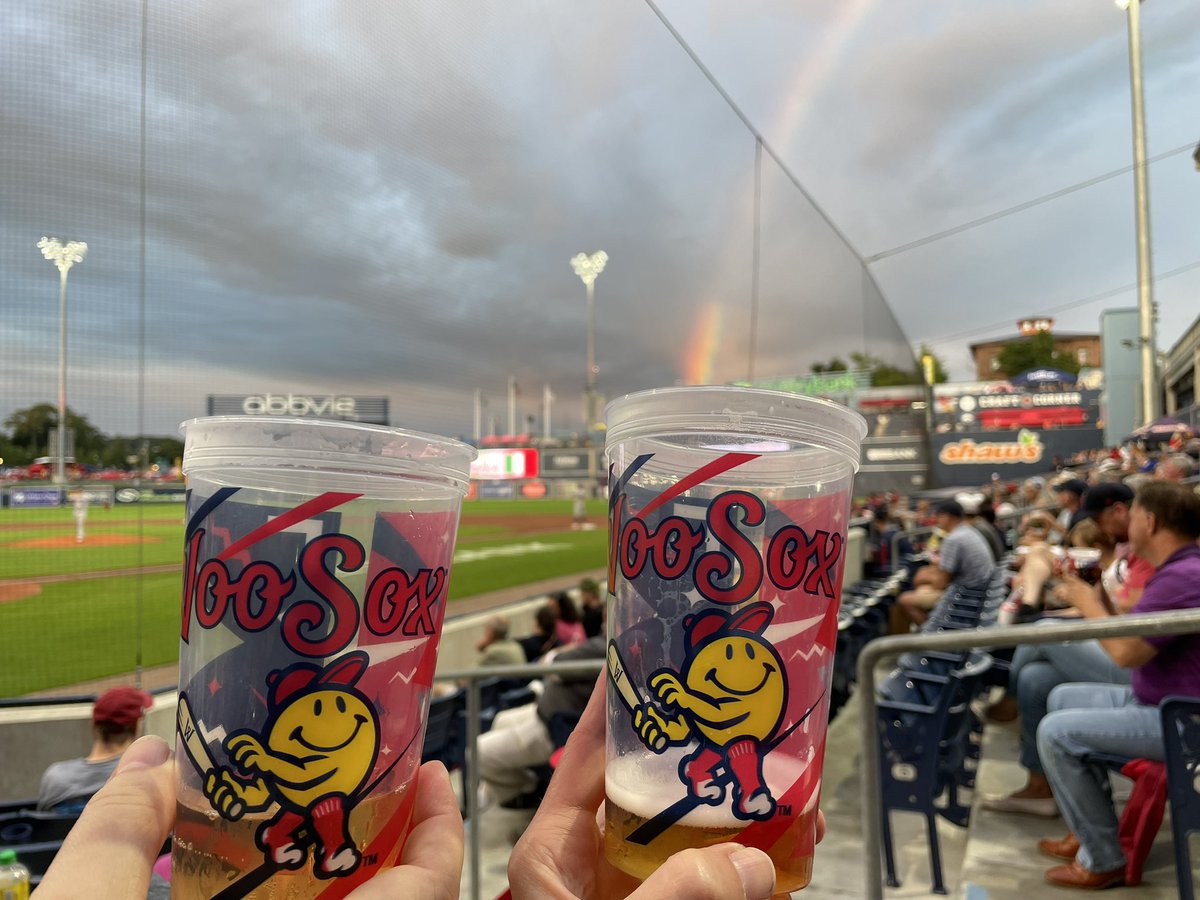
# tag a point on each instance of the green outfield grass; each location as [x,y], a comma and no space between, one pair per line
[79,630]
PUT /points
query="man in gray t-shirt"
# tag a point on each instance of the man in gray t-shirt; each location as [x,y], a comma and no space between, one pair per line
[116,720]
[963,558]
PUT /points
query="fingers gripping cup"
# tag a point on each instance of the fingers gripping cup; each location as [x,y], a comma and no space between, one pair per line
[315,578]
[728,511]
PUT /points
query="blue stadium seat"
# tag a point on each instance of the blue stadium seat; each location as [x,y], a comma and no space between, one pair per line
[925,723]
[1181,739]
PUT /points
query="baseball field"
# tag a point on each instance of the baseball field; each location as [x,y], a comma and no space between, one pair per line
[72,611]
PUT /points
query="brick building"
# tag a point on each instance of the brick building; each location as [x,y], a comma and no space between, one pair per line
[1084,347]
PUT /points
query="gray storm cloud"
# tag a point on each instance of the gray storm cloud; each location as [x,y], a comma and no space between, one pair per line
[382,198]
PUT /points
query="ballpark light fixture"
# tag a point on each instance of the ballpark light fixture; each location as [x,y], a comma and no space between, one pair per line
[63,255]
[588,268]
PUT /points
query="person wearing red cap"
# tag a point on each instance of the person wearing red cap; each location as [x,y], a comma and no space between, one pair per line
[116,720]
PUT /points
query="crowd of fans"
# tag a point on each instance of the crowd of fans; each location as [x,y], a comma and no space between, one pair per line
[1113,533]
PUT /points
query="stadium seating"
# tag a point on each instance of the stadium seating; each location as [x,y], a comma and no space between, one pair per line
[929,735]
[1181,737]
[32,827]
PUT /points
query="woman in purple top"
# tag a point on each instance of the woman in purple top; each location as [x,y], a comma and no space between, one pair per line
[1164,525]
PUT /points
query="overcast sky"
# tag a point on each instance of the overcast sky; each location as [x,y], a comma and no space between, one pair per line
[383,197]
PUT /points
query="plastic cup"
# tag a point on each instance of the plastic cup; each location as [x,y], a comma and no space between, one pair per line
[728,512]
[1084,562]
[317,559]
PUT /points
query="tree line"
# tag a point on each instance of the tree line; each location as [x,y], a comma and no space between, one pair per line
[26,436]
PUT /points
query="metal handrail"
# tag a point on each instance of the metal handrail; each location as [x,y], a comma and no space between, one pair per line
[876,651]
[472,677]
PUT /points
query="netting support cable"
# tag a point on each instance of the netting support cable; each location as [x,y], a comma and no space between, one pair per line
[737,111]
[1072,304]
[756,247]
[765,146]
[139,590]
[1020,207]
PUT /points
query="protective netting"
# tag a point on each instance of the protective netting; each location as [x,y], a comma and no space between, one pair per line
[369,199]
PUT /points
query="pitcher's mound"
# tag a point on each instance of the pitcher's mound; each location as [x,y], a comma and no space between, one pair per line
[92,540]
[19,591]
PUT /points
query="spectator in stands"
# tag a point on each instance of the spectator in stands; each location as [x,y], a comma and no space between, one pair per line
[569,627]
[1033,493]
[1039,668]
[1164,524]
[971,504]
[593,607]
[987,516]
[1068,494]
[520,739]
[1177,467]
[1039,531]
[116,720]
[496,648]
[963,558]
[544,637]
[882,534]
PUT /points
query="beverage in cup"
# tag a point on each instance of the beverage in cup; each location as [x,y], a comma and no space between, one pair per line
[317,560]
[728,511]
[1084,563]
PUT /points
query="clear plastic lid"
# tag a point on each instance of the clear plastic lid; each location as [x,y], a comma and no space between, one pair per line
[761,420]
[277,442]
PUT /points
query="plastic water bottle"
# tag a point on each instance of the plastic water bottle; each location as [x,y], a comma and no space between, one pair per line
[14,877]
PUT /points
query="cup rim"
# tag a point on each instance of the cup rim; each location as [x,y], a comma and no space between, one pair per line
[390,454]
[747,410]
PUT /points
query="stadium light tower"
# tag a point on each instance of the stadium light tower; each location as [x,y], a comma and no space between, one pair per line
[587,268]
[1133,9]
[63,255]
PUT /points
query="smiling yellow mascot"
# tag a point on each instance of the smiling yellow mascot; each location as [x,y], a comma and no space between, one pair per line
[312,757]
[729,695]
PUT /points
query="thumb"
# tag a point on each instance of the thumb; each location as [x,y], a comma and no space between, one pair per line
[722,872]
[121,831]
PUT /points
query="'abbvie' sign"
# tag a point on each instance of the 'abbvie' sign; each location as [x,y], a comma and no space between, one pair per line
[373,410]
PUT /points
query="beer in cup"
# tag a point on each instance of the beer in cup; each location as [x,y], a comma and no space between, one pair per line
[1084,563]
[317,560]
[728,511]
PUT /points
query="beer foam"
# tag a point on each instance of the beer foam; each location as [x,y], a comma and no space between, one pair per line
[646,784]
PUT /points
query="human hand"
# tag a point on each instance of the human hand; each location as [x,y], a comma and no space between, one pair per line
[113,846]
[561,854]
[431,863]
[1074,591]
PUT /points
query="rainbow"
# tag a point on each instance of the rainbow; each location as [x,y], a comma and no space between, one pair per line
[704,344]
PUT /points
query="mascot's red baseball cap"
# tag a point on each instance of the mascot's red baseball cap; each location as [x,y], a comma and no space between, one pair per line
[345,670]
[713,623]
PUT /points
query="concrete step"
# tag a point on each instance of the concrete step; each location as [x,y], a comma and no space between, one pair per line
[1001,858]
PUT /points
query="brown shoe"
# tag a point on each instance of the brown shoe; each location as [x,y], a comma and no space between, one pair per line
[1076,876]
[1064,848]
[1003,710]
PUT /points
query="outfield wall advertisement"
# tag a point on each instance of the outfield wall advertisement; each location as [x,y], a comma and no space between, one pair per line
[372,410]
[971,457]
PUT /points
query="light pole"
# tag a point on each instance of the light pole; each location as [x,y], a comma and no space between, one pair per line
[63,256]
[1142,204]
[587,268]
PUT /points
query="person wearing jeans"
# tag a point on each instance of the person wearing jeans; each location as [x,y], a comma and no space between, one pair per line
[1036,670]
[1164,525]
